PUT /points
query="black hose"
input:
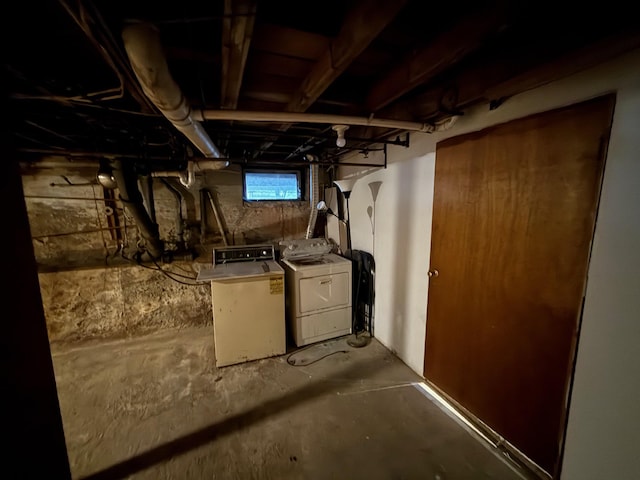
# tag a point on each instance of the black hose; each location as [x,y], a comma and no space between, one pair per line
[147,193]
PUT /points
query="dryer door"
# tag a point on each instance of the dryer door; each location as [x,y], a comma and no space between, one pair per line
[325,291]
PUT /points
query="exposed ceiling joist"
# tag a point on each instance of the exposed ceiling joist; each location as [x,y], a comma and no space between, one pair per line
[447,49]
[237,30]
[565,65]
[511,73]
[89,20]
[408,60]
[361,26]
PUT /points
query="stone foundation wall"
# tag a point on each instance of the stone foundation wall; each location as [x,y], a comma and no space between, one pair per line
[89,290]
[119,302]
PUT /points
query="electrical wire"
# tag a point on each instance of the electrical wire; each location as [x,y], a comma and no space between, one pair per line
[164,272]
[293,363]
[184,270]
[188,277]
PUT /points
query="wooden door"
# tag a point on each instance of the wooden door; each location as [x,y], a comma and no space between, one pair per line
[514,213]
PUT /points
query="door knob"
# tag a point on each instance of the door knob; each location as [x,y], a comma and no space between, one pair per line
[433,273]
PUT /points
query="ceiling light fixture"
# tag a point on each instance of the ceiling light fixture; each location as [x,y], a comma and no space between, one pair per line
[340,129]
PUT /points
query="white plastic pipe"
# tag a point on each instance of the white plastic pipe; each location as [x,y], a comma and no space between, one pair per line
[188,177]
[143,46]
[288,117]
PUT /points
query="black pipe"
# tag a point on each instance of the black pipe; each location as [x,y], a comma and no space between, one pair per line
[130,196]
[147,193]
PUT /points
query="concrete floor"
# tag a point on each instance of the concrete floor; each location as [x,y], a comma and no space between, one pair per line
[156,407]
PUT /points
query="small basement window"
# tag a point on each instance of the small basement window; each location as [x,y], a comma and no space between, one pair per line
[272,185]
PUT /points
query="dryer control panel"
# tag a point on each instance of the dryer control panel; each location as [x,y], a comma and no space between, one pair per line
[304,247]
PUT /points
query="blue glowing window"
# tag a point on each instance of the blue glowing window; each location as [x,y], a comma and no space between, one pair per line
[271,185]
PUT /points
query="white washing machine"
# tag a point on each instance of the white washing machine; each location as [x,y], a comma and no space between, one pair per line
[318,291]
[247,294]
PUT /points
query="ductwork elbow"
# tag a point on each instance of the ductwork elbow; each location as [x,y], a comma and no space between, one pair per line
[188,177]
[144,49]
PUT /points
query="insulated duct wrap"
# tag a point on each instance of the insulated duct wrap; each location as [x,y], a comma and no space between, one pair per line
[143,46]
[314,196]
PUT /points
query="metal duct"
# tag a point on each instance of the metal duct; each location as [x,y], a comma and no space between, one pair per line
[188,177]
[314,196]
[130,196]
[143,46]
[146,184]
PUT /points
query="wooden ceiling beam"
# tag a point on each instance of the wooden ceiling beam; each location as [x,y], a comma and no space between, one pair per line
[190,55]
[237,30]
[505,76]
[444,51]
[289,42]
[565,65]
[361,26]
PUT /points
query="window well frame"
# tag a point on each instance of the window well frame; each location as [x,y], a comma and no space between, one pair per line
[298,172]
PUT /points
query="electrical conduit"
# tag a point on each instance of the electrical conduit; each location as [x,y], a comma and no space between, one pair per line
[314,194]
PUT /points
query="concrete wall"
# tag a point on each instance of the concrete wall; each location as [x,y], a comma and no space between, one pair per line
[604,421]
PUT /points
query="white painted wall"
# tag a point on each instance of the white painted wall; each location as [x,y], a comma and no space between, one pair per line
[604,418]
[401,251]
[604,423]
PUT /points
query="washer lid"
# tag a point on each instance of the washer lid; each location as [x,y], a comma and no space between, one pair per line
[235,270]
